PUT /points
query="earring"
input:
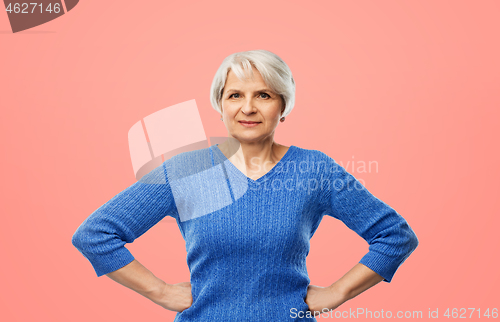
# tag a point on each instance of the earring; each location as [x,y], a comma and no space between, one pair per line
[282,119]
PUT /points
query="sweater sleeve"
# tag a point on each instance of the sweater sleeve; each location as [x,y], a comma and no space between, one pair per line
[390,238]
[101,238]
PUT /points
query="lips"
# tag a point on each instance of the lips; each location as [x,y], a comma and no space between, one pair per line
[249,124]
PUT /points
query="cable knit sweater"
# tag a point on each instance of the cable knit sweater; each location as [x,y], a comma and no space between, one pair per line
[246,240]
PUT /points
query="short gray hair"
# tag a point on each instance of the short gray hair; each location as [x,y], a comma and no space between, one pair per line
[275,72]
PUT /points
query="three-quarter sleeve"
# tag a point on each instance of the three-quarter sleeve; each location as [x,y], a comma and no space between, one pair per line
[391,239]
[101,238]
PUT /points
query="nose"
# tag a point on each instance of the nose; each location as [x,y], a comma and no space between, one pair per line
[248,107]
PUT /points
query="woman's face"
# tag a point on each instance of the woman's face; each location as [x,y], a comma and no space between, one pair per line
[250,100]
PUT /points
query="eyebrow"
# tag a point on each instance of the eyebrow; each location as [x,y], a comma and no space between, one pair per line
[259,90]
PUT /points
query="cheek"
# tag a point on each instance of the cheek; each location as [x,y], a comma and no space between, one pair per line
[271,117]
[230,108]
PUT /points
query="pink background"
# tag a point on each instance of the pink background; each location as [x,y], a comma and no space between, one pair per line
[412,85]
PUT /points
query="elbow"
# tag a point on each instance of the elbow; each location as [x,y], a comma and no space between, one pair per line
[88,235]
[77,240]
[415,242]
[409,237]
[408,240]
[83,239]
[412,242]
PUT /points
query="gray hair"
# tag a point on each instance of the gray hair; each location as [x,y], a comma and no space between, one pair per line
[274,71]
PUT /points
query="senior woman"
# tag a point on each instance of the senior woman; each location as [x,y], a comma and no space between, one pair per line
[247,210]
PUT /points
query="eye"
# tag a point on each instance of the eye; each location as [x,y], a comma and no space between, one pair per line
[233,94]
[265,94]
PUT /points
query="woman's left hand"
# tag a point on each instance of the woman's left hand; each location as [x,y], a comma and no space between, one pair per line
[323,299]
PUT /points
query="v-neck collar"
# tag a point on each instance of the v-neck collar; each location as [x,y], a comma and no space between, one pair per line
[266,176]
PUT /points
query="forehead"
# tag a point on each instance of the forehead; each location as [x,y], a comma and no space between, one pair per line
[234,81]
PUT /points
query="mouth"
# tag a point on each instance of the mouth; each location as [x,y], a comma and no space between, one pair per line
[249,123]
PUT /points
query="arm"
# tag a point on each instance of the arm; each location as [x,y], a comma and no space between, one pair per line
[101,238]
[138,278]
[357,280]
[390,238]
[174,297]
[354,282]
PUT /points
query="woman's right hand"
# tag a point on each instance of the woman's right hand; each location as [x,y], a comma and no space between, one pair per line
[175,297]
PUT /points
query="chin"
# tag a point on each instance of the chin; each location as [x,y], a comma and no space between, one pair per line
[248,139]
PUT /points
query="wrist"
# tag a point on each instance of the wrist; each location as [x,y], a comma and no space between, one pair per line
[158,291]
[340,292]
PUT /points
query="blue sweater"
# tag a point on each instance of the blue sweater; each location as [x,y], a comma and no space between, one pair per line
[246,240]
